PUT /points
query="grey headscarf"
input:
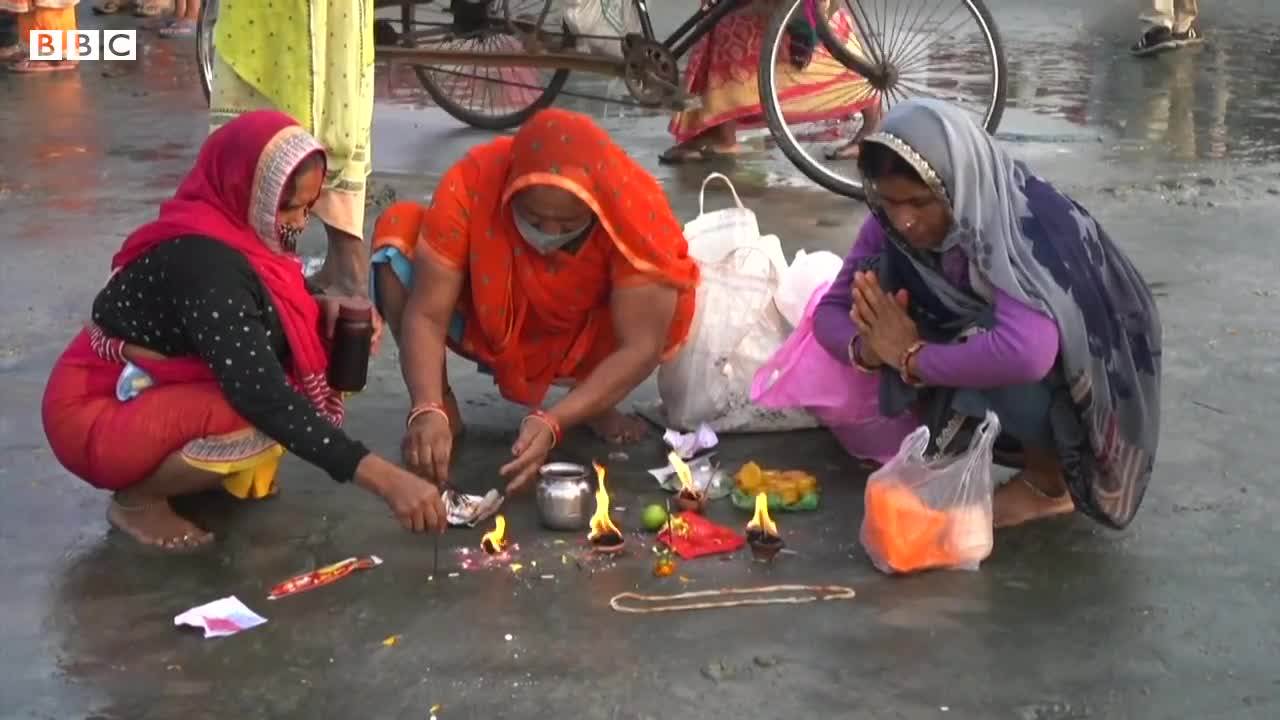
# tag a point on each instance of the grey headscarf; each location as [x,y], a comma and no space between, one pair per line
[1042,249]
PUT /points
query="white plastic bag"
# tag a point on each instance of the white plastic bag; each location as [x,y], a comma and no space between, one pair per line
[807,272]
[608,20]
[735,328]
[713,235]
[931,514]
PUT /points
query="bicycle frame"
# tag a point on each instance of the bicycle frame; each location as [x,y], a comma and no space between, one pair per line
[691,30]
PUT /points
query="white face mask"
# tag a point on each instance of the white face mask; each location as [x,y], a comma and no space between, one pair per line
[546,243]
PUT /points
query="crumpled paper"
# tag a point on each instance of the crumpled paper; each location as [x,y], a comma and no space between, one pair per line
[220,618]
[688,445]
[468,510]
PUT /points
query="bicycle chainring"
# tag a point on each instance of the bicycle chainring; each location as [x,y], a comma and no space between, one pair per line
[650,71]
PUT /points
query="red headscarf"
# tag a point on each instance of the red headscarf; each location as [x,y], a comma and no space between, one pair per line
[232,195]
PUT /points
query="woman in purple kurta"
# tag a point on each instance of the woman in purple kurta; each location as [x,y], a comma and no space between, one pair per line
[977,286]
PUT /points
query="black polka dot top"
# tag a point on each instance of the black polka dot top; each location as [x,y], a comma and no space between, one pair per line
[196,297]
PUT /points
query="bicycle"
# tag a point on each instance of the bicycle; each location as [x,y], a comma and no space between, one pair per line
[881,63]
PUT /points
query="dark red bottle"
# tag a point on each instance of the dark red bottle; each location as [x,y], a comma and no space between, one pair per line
[350,347]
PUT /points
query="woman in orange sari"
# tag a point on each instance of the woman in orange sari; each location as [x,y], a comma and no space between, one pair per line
[57,15]
[548,258]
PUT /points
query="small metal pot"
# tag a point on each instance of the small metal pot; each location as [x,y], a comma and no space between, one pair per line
[565,496]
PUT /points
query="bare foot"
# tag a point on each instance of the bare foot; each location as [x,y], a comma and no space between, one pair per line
[153,522]
[1020,501]
[616,428]
[732,150]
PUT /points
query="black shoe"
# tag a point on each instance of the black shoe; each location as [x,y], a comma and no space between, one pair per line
[1191,36]
[1157,39]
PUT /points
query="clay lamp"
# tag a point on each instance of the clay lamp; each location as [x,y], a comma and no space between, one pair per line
[762,534]
[605,537]
[495,541]
[689,497]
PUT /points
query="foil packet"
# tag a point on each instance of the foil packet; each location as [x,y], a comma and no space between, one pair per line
[132,381]
[465,510]
[323,576]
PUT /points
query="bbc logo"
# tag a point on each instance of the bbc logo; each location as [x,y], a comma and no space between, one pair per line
[84,44]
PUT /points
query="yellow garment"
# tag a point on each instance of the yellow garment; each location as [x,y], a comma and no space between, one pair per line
[311,59]
[252,478]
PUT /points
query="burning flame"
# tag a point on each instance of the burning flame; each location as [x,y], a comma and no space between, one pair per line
[495,541]
[683,472]
[761,520]
[601,524]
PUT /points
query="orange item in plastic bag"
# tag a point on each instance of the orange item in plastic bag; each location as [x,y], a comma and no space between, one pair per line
[923,514]
[907,534]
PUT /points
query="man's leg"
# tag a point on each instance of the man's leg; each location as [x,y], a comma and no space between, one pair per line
[1169,24]
[346,264]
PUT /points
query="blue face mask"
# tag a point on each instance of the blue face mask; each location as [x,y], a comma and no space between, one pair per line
[546,243]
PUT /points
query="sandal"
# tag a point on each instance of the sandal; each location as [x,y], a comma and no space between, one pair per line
[679,155]
[110,7]
[178,29]
[152,9]
[26,66]
[848,151]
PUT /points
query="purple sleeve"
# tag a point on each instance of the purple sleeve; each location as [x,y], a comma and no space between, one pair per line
[831,324]
[1020,349]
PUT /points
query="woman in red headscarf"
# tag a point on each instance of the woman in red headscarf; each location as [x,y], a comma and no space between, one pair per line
[206,358]
[548,258]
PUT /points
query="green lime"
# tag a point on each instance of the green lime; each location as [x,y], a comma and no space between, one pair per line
[654,517]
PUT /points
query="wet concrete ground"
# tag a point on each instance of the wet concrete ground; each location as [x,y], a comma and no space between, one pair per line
[1173,618]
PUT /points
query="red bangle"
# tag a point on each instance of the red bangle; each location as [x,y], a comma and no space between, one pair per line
[424,409]
[552,424]
[904,364]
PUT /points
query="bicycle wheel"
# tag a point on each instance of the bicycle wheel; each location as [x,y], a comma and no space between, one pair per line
[815,104]
[205,21]
[487,97]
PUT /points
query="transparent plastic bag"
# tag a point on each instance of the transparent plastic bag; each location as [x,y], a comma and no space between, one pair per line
[924,514]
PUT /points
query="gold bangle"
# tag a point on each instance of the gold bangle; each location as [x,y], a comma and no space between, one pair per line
[426,409]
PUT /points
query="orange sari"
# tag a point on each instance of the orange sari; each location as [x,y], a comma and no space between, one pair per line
[534,319]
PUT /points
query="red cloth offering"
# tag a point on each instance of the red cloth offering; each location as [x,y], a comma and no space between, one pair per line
[704,538]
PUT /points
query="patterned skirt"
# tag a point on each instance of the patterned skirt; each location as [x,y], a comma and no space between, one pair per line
[724,72]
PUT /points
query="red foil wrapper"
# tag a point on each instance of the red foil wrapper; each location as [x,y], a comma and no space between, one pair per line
[323,576]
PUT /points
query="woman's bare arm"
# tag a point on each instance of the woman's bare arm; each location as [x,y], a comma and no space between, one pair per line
[431,303]
[641,320]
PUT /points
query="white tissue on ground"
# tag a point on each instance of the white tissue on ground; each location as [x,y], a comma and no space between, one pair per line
[688,445]
[220,618]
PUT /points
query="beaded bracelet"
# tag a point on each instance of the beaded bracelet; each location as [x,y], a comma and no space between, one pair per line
[552,424]
[425,409]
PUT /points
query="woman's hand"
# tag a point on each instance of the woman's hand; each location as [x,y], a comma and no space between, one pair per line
[417,504]
[530,451]
[883,324]
[329,307]
[428,446]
